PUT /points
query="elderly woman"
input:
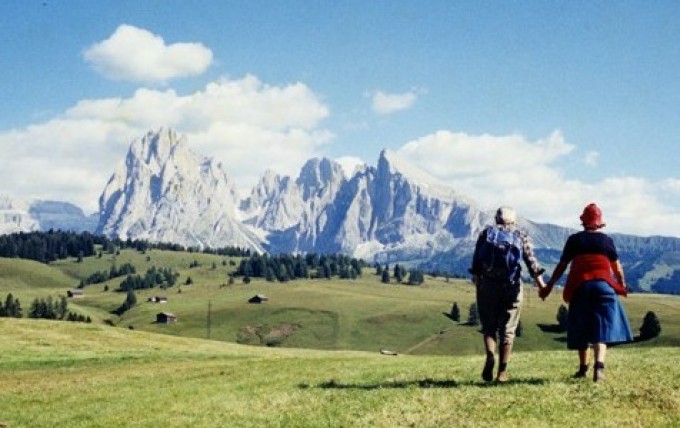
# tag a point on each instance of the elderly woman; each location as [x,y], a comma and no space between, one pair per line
[595,279]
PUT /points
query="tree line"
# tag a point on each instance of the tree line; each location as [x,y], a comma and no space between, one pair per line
[54,245]
[105,275]
[41,308]
[163,277]
[287,267]
[400,274]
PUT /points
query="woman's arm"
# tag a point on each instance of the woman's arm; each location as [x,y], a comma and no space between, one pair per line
[618,273]
[556,275]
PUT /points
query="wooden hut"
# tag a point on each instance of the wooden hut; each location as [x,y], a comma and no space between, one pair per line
[258,298]
[166,318]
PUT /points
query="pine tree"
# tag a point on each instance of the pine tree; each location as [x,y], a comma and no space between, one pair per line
[415,277]
[386,276]
[8,310]
[62,308]
[398,275]
[651,326]
[455,312]
[473,315]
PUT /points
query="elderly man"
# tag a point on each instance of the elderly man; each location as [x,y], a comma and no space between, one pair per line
[496,272]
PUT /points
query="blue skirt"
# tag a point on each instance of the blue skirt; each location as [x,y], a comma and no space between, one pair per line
[596,316]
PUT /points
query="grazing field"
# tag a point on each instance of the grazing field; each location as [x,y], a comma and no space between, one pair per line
[90,375]
[361,314]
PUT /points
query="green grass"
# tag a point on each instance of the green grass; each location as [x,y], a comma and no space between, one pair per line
[361,314]
[86,375]
[89,375]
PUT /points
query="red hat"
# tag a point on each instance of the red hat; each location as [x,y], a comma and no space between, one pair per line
[592,217]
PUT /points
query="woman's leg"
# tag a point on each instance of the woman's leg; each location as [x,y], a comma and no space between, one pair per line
[583,363]
[600,351]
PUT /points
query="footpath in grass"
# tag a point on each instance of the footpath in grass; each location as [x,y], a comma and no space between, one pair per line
[64,374]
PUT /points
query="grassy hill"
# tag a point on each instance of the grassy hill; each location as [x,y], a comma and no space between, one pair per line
[90,375]
[361,314]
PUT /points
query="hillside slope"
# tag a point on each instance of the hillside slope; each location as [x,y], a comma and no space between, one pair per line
[361,314]
[77,375]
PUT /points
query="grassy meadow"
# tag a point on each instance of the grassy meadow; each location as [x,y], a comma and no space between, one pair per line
[309,356]
[362,314]
[89,375]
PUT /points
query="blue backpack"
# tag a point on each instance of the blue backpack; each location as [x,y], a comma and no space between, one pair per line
[501,254]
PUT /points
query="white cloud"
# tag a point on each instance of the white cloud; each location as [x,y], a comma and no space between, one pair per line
[250,126]
[137,55]
[591,158]
[384,103]
[497,170]
[349,164]
[246,124]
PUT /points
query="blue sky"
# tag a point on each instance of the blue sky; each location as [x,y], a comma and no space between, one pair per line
[546,106]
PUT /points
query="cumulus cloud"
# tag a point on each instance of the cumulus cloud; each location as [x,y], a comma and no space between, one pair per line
[137,55]
[246,124]
[497,170]
[384,103]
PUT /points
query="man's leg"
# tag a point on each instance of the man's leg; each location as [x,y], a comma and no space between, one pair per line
[510,319]
[487,300]
[490,347]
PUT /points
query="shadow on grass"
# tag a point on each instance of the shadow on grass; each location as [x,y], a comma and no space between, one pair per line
[554,329]
[420,383]
[448,315]
[551,328]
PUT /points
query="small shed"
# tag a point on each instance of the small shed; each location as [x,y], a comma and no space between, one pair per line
[75,292]
[258,298]
[158,299]
[166,318]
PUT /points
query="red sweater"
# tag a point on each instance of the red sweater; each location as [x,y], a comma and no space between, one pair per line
[586,267]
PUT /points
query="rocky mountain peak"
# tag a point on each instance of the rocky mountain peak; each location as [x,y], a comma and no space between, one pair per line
[165,192]
[318,175]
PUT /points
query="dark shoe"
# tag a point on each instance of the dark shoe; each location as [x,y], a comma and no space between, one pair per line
[581,373]
[487,373]
[502,377]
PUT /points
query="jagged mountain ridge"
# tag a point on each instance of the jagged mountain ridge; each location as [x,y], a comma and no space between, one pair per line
[390,212]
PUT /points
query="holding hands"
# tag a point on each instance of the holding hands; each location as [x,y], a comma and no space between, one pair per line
[543,288]
[544,291]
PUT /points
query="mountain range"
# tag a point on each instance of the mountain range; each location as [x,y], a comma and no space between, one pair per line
[389,213]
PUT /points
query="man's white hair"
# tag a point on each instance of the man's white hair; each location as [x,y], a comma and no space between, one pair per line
[506,215]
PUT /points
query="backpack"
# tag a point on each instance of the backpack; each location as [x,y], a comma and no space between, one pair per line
[500,254]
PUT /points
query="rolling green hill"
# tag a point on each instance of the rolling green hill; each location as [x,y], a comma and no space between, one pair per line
[362,314]
[91,375]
